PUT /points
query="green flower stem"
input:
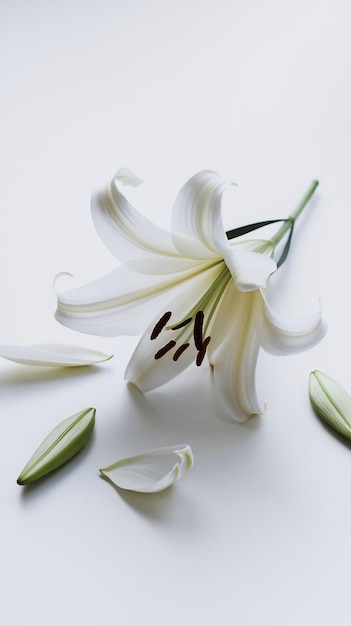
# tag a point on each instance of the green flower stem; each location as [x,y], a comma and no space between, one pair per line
[294,215]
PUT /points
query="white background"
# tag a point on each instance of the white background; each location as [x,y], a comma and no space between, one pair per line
[259,531]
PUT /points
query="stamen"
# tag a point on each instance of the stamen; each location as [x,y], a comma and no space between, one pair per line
[160,325]
[201,354]
[180,351]
[199,320]
[182,324]
[165,349]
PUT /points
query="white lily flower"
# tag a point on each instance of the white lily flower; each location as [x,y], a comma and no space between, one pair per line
[195,291]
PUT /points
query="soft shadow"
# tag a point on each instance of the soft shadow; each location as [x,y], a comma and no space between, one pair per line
[31,374]
[185,412]
[152,505]
[186,405]
[170,505]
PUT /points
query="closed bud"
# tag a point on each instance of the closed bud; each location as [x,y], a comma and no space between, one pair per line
[331,402]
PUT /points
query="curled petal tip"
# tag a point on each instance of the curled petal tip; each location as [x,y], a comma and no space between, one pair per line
[127,177]
[58,277]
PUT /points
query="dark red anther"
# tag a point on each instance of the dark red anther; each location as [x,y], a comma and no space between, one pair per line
[201,354]
[199,320]
[160,325]
[182,324]
[165,349]
[180,351]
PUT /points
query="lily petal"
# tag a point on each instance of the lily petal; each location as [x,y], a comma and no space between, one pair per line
[53,355]
[198,232]
[197,227]
[250,270]
[234,358]
[151,471]
[124,231]
[127,177]
[280,335]
[122,302]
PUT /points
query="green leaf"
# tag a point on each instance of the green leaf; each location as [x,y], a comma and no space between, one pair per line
[331,402]
[286,248]
[59,446]
[243,230]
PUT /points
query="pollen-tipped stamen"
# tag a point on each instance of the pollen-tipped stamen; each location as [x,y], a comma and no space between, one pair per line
[182,324]
[202,352]
[160,325]
[198,325]
[202,313]
[162,351]
[180,351]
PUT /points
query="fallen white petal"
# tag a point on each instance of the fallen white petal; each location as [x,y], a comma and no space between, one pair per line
[151,471]
[52,355]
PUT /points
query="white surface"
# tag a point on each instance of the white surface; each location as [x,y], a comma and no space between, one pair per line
[258,532]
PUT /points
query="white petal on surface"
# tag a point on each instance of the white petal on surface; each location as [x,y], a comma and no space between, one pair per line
[122,302]
[331,401]
[197,227]
[234,360]
[281,335]
[151,471]
[124,231]
[53,355]
[143,369]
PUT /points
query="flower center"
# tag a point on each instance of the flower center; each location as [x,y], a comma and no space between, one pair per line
[200,342]
[200,314]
